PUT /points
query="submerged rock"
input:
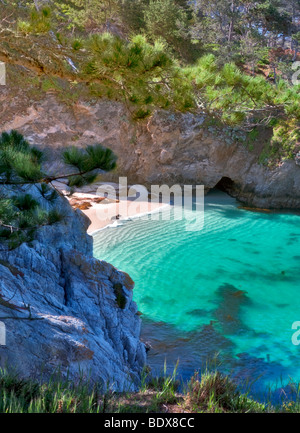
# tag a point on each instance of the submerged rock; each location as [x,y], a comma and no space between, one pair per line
[229,309]
[60,309]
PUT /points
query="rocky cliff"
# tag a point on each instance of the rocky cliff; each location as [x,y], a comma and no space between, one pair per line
[166,148]
[61,310]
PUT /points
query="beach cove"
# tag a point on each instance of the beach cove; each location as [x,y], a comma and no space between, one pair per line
[240,282]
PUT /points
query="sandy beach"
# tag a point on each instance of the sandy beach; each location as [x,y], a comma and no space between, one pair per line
[104,214]
[105,209]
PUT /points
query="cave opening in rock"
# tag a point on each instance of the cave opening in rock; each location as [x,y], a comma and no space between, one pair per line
[225,184]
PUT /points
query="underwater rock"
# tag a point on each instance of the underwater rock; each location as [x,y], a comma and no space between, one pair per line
[229,307]
[198,312]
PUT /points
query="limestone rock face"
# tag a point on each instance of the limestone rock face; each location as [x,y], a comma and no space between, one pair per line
[166,148]
[60,311]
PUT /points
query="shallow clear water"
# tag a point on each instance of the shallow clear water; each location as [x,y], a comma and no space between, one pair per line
[231,288]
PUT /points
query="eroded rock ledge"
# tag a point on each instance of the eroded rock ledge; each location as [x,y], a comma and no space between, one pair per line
[167,148]
[60,308]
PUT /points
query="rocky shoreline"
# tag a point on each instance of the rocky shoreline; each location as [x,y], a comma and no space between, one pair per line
[71,311]
[66,311]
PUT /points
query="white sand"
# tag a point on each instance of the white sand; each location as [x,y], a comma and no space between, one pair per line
[103,214]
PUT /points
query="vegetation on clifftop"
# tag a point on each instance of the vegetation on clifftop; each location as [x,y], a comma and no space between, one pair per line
[233,63]
[210,393]
[20,164]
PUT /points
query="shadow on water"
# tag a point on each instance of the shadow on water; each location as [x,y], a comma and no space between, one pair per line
[210,347]
[214,201]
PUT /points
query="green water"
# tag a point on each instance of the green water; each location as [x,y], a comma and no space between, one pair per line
[231,288]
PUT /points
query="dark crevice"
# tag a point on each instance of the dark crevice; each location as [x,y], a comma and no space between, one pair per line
[63,280]
[227,185]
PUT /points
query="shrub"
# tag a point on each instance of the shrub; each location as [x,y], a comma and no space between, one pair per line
[212,390]
[120,297]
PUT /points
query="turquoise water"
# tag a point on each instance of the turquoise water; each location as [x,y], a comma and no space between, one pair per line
[229,291]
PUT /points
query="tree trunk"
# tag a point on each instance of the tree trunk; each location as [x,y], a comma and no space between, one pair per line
[36,4]
[230,32]
[295,51]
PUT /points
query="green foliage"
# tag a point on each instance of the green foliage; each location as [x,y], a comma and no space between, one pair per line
[77,44]
[39,21]
[120,297]
[243,42]
[215,392]
[212,393]
[80,13]
[57,396]
[166,20]
[252,137]
[238,98]
[20,213]
[25,202]
[165,386]
[98,156]
[272,17]
[143,75]
[24,27]
[284,143]
[132,15]
[240,31]
[47,192]
[212,390]
[49,84]
[18,161]
[54,216]
[87,160]
[146,76]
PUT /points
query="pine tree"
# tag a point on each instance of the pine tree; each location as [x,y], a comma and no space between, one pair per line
[239,99]
[40,21]
[20,164]
[81,13]
[143,75]
[166,20]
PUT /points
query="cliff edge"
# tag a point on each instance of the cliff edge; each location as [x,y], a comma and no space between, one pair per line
[61,308]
